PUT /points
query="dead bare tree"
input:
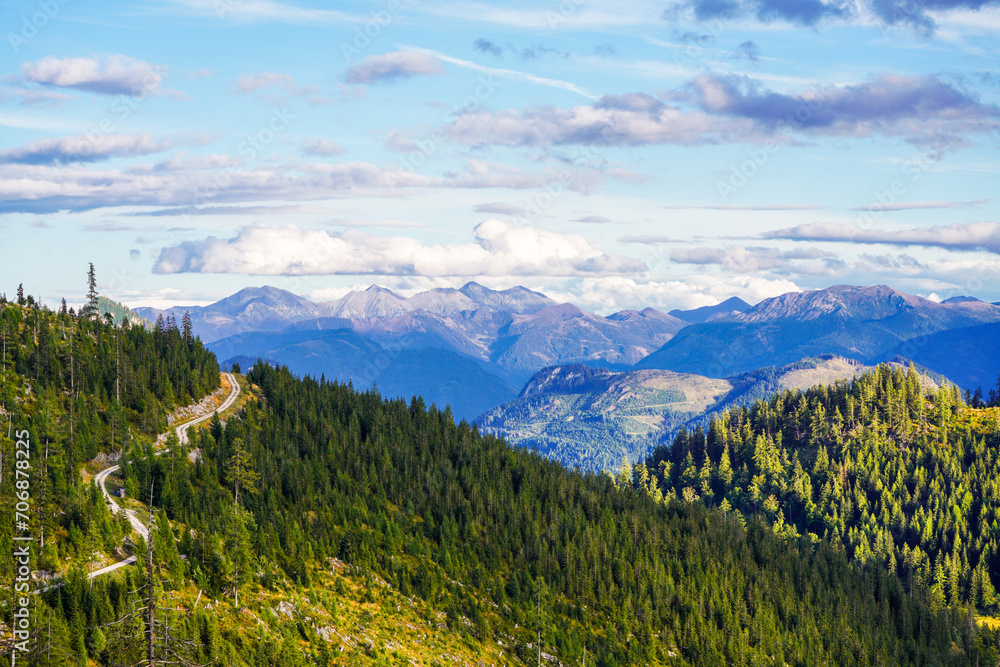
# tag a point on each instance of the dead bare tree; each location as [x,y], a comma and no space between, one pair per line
[144,637]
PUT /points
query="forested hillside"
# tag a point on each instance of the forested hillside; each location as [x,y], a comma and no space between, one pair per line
[323,526]
[79,387]
[494,536]
[84,387]
[904,478]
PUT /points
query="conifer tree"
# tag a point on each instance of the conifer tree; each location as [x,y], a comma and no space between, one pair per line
[90,308]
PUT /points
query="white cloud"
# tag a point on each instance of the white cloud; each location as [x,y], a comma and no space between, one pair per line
[634,119]
[393,66]
[730,109]
[247,84]
[499,249]
[610,293]
[322,147]
[250,83]
[84,148]
[114,75]
[957,236]
[187,183]
[736,258]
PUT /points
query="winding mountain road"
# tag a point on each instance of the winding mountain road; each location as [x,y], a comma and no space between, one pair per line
[101,478]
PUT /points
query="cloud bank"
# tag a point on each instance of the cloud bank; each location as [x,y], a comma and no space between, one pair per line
[499,249]
[959,236]
[114,75]
[718,109]
[809,13]
[393,66]
[84,148]
[745,260]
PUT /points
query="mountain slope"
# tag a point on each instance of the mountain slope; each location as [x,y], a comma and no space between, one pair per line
[512,343]
[565,334]
[698,315]
[441,377]
[250,309]
[832,461]
[373,302]
[339,354]
[444,378]
[969,356]
[518,300]
[497,536]
[593,418]
[855,322]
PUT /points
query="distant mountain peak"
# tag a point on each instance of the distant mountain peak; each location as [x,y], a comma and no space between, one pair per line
[732,305]
[378,289]
[520,300]
[843,301]
[373,302]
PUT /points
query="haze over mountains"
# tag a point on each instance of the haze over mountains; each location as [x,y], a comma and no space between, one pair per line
[474,348]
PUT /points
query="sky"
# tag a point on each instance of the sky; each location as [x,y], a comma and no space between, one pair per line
[616,155]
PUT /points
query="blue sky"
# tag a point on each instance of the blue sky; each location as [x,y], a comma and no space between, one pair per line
[617,155]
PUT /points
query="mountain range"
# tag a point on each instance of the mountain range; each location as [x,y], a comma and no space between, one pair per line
[473,348]
[272,309]
[860,323]
[493,339]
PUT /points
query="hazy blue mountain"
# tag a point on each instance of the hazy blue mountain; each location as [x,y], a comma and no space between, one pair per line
[565,334]
[374,302]
[697,315]
[340,354]
[592,418]
[440,376]
[515,345]
[969,357]
[520,300]
[444,378]
[855,322]
[272,309]
[250,309]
